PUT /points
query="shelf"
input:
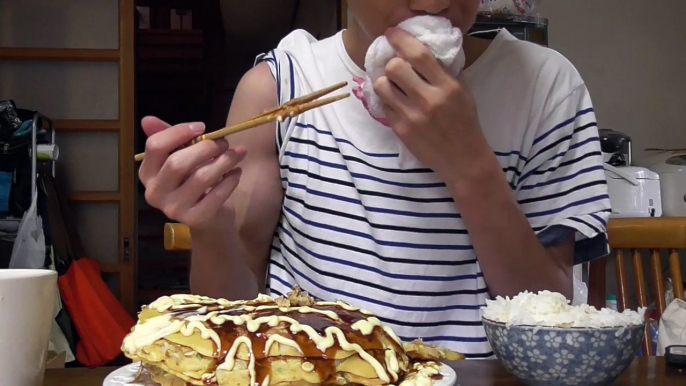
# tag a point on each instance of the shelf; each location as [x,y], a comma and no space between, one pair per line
[169,68]
[169,37]
[154,294]
[109,268]
[179,264]
[497,18]
[143,238]
[59,55]
[170,53]
[94,196]
[86,126]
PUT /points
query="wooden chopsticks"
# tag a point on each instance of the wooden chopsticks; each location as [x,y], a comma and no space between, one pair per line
[289,109]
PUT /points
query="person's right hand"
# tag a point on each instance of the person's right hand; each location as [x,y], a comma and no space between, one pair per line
[191,185]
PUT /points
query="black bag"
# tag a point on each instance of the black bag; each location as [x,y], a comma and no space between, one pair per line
[9,120]
[18,165]
[15,155]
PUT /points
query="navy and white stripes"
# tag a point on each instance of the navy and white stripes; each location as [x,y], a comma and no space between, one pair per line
[355,226]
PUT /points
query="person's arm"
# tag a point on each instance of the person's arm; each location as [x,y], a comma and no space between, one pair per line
[561,189]
[556,217]
[230,261]
[436,117]
[510,254]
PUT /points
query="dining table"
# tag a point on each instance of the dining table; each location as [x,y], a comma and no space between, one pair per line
[643,371]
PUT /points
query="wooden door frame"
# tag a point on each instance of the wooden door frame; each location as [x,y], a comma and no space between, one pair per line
[127,175]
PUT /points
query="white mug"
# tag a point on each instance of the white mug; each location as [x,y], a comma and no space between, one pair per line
[27,301]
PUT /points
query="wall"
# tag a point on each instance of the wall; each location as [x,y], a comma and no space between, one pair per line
[632,54]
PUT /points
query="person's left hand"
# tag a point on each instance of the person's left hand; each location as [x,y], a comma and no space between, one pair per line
[431,112]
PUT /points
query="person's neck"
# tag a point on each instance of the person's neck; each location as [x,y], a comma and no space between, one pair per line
[357,42]
[473,49]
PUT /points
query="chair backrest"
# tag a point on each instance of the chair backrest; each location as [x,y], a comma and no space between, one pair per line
[634,240]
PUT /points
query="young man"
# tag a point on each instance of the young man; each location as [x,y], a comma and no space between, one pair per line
[510,194]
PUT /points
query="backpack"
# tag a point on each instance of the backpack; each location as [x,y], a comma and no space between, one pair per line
[15,158]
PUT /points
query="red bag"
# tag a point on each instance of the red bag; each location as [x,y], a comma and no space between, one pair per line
[100,319]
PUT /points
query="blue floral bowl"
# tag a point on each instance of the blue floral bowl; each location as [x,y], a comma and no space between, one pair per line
[564,356]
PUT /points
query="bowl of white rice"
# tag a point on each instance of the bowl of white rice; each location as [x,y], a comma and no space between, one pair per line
[543,340]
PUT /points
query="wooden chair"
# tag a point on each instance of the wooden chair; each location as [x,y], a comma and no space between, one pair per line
[634,239]
[629,239]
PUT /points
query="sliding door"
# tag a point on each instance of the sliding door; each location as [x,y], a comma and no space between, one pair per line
[72,60]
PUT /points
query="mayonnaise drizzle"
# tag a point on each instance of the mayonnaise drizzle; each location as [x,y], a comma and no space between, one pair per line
[231,357]
[155,328]
[392,364]
[178,302]
[282,340]
[145,334]
[346,306]
[366,327]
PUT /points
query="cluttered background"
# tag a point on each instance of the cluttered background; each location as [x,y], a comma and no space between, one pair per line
[74,84]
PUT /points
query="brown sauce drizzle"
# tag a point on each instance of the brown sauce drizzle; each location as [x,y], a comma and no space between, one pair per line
[323,366]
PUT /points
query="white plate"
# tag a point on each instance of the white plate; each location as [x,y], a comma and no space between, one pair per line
[449,376]
[125,376]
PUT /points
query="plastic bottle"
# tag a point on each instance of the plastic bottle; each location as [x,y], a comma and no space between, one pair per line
[611,302]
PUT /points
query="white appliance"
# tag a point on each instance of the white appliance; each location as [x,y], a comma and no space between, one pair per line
[634,192]
[670,165]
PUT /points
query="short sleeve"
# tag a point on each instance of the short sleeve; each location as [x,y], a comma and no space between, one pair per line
[281,65]
[562,188]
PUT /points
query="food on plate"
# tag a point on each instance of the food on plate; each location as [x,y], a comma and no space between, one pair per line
[550,309]
[420,351]
[294,340]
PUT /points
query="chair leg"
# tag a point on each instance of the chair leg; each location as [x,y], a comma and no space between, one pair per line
[596,282]
[677,277]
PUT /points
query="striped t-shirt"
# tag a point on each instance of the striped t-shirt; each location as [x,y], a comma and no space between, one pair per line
[356,226]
